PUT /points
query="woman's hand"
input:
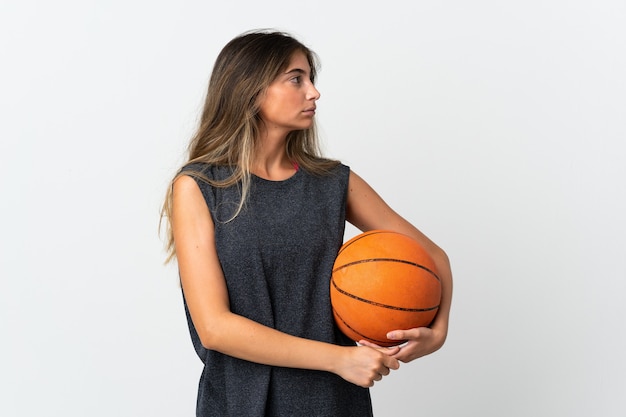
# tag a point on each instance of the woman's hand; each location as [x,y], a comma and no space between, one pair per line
[421,341]
[363,365]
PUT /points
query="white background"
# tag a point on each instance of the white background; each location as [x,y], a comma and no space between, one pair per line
[496,127]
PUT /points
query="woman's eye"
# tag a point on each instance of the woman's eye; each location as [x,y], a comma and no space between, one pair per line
[296,80]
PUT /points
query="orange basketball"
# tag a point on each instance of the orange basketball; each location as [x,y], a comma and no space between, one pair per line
[383,281]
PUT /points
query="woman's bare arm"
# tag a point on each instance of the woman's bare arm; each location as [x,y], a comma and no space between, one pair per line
[219,329]
[366,210]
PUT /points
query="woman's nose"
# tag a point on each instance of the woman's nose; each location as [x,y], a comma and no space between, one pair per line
[313,93]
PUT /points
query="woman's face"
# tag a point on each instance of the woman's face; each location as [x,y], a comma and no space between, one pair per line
[289,102]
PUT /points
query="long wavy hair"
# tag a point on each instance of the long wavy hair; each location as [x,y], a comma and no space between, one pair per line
[230,124]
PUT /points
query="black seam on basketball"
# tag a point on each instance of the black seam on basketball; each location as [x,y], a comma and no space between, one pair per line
[374,303]
[361,334]
[361,261]
[357,238]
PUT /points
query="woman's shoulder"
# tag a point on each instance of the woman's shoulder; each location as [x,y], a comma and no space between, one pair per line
[323,166]
[337,173]
[203,170]
[341,169]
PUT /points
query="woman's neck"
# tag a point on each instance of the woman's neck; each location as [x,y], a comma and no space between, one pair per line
[270,161]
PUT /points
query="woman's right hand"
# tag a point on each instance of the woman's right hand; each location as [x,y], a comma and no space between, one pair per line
[363,365]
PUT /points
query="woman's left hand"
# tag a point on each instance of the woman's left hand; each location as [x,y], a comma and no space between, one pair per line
[420,342]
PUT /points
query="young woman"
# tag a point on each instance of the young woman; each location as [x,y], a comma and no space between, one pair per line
[256,218]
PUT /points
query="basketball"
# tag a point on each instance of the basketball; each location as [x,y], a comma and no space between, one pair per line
[383,281]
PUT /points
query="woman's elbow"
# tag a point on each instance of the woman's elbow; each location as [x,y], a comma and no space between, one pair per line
[208,339]
[440,257]
[211,334]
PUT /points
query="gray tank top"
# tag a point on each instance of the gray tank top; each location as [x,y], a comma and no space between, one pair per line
[277,256]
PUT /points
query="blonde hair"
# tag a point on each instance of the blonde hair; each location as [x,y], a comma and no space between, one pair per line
[230,123]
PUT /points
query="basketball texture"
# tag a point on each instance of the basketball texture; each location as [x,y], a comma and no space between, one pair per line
[383,281]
